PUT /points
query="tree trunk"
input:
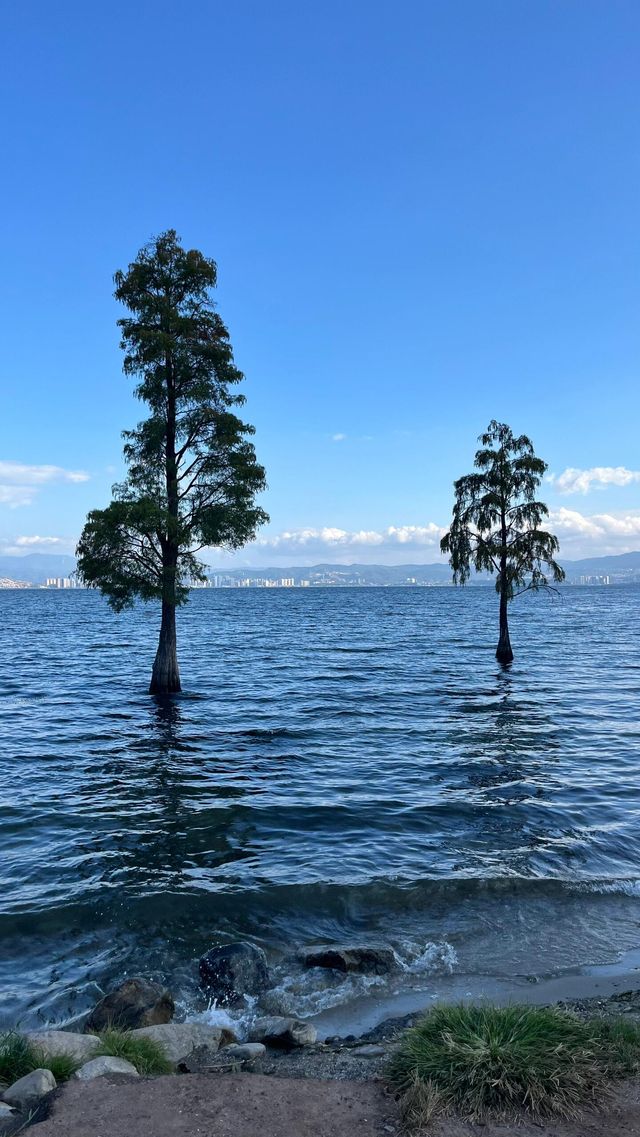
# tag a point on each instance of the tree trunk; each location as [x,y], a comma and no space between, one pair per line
[165,678]
[504,654]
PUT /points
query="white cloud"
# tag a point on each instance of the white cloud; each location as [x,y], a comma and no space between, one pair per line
[391,545]
[327,538]
[40,542]
[14,496]
[20,483]
[580,535]
[338,437]
[573,480]
[596,534]
[18,546]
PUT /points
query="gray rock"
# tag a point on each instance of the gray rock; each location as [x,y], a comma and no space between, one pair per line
[51,1043]
[283,1031]
[243,1052]
[11,1121]
[369,1050]
[362,959]
[245,1055]
[179,1039]
[28,1091]
[105,1064]
[230,972]
[133,1004]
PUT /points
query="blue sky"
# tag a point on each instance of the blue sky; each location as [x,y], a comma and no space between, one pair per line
[424,215]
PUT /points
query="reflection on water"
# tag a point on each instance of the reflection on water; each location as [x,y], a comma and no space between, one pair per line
[343,762]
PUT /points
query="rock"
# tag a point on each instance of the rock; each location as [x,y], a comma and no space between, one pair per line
[81,1047]
[369,1050]
[230,972]
[28,1091]
[135,1003]
[179,1039]
[202,1060]
[283,1031]
[105,1064]
[10,1121]
[243,1052]
[352,957]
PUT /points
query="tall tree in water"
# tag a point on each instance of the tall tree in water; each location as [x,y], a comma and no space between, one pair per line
[496,523]
[192,472]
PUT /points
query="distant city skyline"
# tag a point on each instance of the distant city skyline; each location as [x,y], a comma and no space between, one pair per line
[59,571]
[399,261]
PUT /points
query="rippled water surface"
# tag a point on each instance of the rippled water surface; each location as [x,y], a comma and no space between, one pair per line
[345,763]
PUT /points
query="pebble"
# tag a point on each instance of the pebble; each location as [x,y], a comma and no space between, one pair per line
[370,1050]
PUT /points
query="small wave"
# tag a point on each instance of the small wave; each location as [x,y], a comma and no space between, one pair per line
[310,991]
[239,1022]
[629,886]
[432,958]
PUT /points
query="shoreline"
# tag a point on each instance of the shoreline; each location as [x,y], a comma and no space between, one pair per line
[367,1013]
[346,1073]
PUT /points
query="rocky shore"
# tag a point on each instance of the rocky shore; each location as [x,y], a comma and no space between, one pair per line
[282,1047]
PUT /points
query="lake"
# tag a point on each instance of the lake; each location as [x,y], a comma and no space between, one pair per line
[343,764]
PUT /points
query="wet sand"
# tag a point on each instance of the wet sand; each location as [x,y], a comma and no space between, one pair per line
[363,1015]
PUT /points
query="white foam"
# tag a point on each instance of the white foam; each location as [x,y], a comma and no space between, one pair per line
[428,959]
[629,887]
[238,1021]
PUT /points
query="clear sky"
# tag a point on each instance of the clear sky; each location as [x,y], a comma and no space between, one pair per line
[425,215]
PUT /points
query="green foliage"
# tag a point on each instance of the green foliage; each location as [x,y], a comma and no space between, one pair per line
[496,517]
[192,471]
[145,1054]
[18,1056]
[479,1060]
[62,1066]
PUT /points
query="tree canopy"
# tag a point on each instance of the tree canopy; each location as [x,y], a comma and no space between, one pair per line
[192,473]
[497,518]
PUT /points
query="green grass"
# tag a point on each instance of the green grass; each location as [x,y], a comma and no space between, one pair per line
[477,1061]
[145,1054]
[62,1066]
[18,1056]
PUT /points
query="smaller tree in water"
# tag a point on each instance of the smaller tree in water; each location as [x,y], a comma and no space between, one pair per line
[192,471]
[496,523]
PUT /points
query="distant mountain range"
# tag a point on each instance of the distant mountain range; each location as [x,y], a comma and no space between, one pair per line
[36,567]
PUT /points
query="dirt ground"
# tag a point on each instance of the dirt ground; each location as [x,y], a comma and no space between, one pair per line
[620,1118]
[229,1105]
[243,1105]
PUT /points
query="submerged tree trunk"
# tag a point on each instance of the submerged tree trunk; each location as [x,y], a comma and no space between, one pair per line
[504,654]
[165,678]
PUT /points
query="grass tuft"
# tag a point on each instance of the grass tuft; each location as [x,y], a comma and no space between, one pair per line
[62,1066]
[18,1056]
[145,1054]
[419,1104]
[477,1061]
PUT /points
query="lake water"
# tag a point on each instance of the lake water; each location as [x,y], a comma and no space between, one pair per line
[343,764]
